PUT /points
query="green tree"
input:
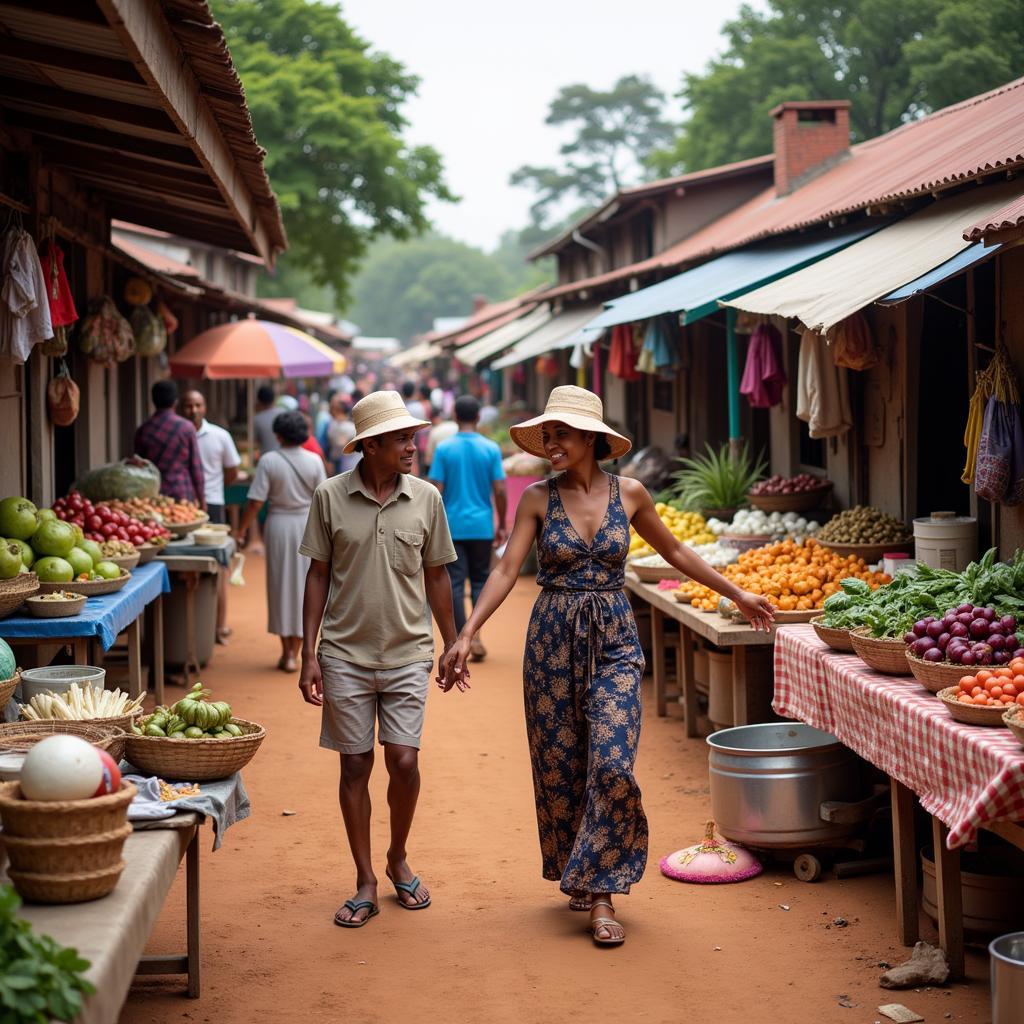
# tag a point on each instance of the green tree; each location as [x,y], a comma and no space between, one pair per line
[614,130]
[328,110]
[893,61]
[403,286]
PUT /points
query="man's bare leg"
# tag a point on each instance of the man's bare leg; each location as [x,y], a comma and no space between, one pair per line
[354,797]
[403,791]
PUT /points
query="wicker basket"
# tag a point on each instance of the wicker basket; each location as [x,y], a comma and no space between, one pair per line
[41,609]
[802,501]
[837,639]
[36,819]
[91,588]
[25,735]
[78,887]
[655,573]
[871,553]
[147,552]
[743,542]
[63,856]
[15,591]
[782,618]
[126,561]
[936,675]
[195,760]
[971,714]
[7,688]
[883,655]
[184,529]
[1013,719]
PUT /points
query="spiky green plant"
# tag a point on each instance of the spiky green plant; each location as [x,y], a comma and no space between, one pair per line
[717,479]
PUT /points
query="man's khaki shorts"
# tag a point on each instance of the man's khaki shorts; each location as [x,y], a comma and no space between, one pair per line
[356,697]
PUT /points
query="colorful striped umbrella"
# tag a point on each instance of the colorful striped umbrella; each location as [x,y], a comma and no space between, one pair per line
[255,349]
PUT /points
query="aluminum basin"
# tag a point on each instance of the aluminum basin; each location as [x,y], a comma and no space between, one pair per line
[768,782]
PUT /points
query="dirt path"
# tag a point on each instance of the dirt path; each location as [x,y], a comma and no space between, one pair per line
[499,944]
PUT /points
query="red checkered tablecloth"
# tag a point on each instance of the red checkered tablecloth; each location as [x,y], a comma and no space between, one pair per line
[965,775]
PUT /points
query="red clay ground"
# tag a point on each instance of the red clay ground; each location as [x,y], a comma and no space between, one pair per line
[499,945]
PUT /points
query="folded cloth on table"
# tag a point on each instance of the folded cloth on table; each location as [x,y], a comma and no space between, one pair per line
[225,801]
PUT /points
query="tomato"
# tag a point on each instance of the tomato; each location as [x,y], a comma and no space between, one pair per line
[984,676]
[977,690]
[1020,699]
[108,530]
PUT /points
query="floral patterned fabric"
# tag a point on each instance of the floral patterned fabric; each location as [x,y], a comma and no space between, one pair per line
[582,672]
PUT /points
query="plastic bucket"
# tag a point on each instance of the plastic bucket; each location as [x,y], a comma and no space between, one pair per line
[945,541]
[1007,972]
[58,679]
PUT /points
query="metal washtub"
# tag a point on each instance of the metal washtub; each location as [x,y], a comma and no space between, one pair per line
[769,782]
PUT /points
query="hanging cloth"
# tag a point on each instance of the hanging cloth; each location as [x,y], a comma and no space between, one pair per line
[823,395]
[660,342]
[24,310]
[58,291]
[763,375]
[853,344]
[622,357]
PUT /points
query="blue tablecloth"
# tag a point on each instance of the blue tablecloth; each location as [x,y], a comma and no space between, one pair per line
[220,552]
[102,617]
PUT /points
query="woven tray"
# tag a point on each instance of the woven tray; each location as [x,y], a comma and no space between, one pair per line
[14,591]
[62,818]
[183,529]
[837,639]
[7,688]
[1013,719]
[802,501]
[48,856]
[126,561]
[92,588]
[79,887]
[888,656]
[871,553]
[195,760]
[937,675]
[25,735]
[55,609]
[794,616]
[970,714]
[743,542]
[655,574]
[147,552]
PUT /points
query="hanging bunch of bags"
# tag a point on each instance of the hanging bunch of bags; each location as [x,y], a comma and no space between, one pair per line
[63,398]
[105,336]
[999,463]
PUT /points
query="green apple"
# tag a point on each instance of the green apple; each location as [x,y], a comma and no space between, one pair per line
[108,570]
[10,560]
[80,561]
[54,570]
[53,538]
[45,514]
[17,518]
[92,549]
[28,556]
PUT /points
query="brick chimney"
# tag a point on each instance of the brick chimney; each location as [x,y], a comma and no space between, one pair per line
[808,135]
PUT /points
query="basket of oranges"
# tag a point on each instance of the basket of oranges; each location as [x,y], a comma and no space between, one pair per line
[983,697]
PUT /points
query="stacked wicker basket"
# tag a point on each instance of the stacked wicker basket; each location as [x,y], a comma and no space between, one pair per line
[64,851]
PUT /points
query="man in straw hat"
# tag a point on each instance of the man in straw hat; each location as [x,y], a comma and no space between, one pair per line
[583,663]
[378,542]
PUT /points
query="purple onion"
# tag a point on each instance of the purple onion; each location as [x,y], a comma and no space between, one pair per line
[933,655]
[965,617]
[943,641]
[997,642]
[968,658]
[987,613]
[920,627]
[958,629]
[955,655]
[948,619]
[1019,653]
[1009,624]
[1001,657]
[919,646]
[979,629]
[935,630]
[964,608]
[909,638]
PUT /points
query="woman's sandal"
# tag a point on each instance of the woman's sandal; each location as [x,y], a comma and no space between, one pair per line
[409,888]
[580,902]
[354,906]
[597,923]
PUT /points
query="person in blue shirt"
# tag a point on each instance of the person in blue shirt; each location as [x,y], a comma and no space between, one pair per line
[467,471]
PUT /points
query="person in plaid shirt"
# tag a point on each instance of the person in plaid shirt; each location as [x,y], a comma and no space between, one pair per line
[171,443]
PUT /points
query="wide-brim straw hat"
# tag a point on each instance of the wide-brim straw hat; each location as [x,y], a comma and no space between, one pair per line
[381,413]
[575,407]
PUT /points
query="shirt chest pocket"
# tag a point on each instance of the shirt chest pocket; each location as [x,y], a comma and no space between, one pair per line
[406,553]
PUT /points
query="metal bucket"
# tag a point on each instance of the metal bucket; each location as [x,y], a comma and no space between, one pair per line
[1007,960]
[769,781]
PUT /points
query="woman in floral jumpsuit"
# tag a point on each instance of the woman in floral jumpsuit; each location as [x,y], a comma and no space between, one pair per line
[583,664]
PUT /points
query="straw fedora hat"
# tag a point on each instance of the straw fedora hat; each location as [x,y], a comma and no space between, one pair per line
[380,413]
[575,407]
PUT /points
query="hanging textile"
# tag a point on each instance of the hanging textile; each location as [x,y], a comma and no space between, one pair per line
[622,357]
[58,291]
[823,396]
[854,344]
[660,352]
[24,310]
[999,473]
[763,375]
[983,385]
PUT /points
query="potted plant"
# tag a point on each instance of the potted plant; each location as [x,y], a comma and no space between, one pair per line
[716,484]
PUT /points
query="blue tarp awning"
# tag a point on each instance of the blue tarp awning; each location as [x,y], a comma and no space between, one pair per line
[960,262]
[695,293]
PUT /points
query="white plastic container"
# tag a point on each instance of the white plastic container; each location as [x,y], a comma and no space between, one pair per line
[58,679]
[720,708]
[944,540]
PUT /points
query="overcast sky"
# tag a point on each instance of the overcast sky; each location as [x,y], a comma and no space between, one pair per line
[489,71]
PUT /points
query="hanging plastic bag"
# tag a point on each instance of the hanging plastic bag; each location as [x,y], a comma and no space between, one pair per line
[106,337]
[57,346]
[853,344]
[999,473]
[63,398]
[149,330]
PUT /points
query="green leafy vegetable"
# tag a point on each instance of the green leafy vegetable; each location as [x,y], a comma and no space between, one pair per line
[39,980]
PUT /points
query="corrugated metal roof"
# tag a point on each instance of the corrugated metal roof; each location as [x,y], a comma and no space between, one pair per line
[1005,219]
[969,140]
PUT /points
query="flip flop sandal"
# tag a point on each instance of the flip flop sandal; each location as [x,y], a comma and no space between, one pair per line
[410,888]
[597,923]
[354,906]
[579,903]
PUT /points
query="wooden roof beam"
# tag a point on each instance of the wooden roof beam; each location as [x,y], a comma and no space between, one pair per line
[59,58]
[142,28]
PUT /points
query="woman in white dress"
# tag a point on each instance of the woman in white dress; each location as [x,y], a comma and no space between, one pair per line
[287,478]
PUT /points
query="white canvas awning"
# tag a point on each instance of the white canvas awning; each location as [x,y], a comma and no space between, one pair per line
[562,331]
[834,288]
[502,337]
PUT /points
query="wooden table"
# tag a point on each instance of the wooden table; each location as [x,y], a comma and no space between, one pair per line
[189,568]
[711,627]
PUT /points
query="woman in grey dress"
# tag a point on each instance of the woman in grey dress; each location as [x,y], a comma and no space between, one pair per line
[287,478]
